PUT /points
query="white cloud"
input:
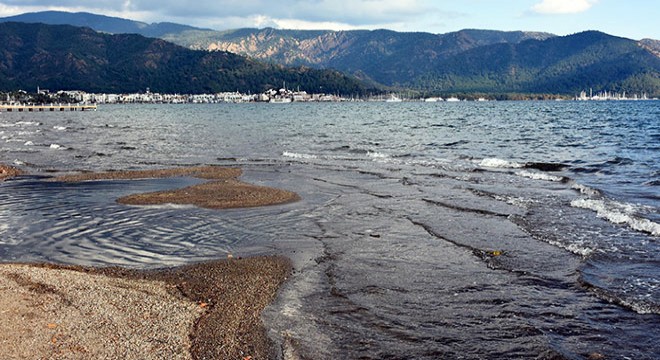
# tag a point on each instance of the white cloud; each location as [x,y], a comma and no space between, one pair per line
[563,6]
[342,13]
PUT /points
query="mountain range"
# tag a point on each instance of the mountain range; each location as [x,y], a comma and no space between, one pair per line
[64,57]
[467,61]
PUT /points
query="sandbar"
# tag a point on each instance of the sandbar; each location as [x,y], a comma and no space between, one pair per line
[222,191]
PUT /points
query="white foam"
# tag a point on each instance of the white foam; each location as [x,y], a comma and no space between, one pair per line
[377,155]
[499,163]
[28,123]
[516,201]
[18,162]
[585,190]
[539,176]
[29,143]
[299,156]
[574,248]
[618,213]
[59,128]
[57,147]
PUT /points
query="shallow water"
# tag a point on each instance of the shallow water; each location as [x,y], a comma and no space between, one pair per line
[468,230]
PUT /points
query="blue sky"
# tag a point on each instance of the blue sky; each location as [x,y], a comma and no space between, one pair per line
[634,19]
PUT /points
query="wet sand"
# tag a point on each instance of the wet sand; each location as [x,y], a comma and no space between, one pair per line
[201,311]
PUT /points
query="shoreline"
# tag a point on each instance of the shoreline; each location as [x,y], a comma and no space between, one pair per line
[77,312]
[201,311]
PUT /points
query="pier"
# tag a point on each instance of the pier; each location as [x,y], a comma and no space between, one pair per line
[44,108]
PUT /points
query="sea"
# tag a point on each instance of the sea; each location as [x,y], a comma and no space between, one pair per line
[465,230]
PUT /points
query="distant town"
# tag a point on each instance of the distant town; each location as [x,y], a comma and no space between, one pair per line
[80,98]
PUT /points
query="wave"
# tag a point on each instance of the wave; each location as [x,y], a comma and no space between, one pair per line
[618,213]
[540,176]
[507,164]
[455,143]
[574,248]
[617,286]
[585,190]
[377,155]
[544,166]
[298,155]
[499,163]
[652,183]
[21,123]
[640,306]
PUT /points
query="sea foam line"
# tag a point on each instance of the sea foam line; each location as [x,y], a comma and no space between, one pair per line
[298,155]
[499,163]
[618,213]
[539,176]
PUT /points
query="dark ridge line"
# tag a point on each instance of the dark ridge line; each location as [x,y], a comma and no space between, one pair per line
[485,256]
[476,251]
[361,190]
[545,166]
[464,209]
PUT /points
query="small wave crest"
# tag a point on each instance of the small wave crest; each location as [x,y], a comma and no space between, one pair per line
[377,156]
[575,248]
[540,176]
[618,213]
[499,163]
[652,183]
[294,155]
[585,190]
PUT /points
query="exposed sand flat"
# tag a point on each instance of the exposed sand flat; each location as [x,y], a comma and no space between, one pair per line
[202,311]
[223,191]
[215,195]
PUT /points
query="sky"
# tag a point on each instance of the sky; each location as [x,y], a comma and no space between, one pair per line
[635,19]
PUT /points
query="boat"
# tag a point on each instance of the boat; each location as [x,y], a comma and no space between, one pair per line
[280,100]
[433,99]
[393,98]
